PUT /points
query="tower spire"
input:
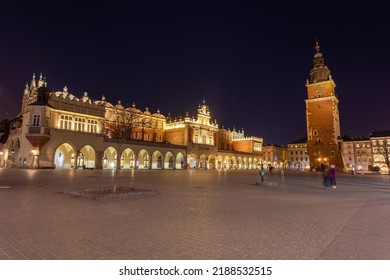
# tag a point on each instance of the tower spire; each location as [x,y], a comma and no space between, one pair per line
[319,72]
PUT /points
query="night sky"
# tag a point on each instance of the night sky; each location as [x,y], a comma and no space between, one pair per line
[248,59]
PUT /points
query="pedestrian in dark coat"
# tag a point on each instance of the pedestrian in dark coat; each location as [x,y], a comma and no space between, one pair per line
[332,175]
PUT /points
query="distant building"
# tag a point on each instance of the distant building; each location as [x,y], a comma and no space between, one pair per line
[322,116]
[357,154]
[56,129]
[380,141]
[275,156]
[298,159]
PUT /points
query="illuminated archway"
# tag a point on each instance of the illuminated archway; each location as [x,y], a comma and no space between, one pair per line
[192,161]
[65,156]
[233,162]
[245,163]
[157,160]
[169,161]
[109,158]
[143,160]
[128,157]
[88,157]
[219,162]
[250,163]
[202,162]
[180,161]
[239,162]
[226,162]
[211,162]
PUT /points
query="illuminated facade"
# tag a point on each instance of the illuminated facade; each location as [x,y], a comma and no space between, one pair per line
[380,141]
[59,130]
[322,116]
[275,156]
[357,154]
[298,159]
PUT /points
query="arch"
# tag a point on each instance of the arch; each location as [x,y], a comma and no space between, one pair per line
[202,161]
[180,161]
[192,161]
[211,162]
[88,157]
[219,162]
[109,158]
[226,162]
[233,161]
[239,160]
[169,161]
[128,159]
[143,160]
[250,161]
[65,156]
[157,160]
[245,163]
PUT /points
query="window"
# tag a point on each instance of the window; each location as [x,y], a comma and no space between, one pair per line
[332,153]
[315,132]
[36,120]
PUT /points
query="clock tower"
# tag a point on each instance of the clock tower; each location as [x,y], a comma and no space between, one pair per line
[322,116]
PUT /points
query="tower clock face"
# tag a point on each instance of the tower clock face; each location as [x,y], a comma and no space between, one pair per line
[318,88]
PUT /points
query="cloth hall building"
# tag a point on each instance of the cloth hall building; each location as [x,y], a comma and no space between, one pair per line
[56,129]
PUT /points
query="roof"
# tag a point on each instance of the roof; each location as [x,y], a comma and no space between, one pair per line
[299,141]
[348,138]
[380,133]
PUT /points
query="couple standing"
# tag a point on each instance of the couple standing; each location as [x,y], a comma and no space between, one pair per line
[330,178]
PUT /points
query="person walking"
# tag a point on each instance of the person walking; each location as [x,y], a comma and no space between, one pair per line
[332,175]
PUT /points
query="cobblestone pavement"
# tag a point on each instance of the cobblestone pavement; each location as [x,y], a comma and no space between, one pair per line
[196,215]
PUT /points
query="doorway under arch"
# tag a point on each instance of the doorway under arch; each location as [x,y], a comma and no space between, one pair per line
[87,153]
[180,161]
[64,156]
[143,160]
[109,158]
[128,157]
[157,161]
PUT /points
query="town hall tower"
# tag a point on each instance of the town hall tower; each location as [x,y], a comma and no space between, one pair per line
[322,116]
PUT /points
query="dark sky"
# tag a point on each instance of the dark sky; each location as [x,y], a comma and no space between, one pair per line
[248,59]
